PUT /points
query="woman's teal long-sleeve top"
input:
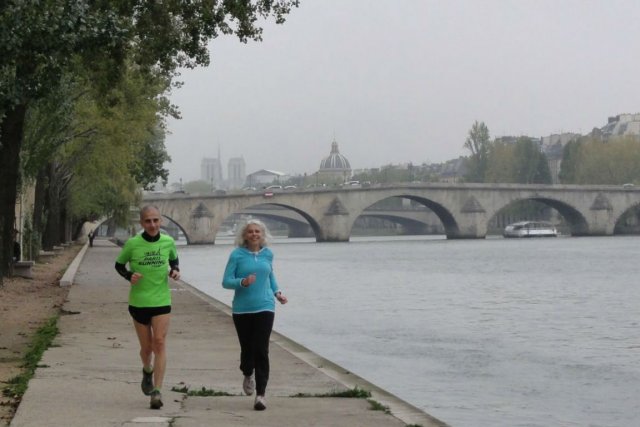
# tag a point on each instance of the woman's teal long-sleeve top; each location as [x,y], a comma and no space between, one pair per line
[260,295]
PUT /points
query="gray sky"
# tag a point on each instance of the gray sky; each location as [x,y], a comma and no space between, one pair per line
[401,81]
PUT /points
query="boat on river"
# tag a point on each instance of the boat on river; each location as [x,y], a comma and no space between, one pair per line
[530,229]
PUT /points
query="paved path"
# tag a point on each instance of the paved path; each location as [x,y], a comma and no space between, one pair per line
[90,377]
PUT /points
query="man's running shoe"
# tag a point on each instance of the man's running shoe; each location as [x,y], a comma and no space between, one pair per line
[147,382]
[156,400]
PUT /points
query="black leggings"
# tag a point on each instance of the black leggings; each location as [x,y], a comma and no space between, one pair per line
[254,331]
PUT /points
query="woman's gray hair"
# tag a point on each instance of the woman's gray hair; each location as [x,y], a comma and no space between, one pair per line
[266,236]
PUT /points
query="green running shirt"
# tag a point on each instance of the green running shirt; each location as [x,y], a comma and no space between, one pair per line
[151,259]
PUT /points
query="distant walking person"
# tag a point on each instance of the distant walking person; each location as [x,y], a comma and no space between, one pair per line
[249,273]
[92,235]
[152,258]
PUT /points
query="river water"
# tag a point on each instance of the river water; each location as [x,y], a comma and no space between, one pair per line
[494,332]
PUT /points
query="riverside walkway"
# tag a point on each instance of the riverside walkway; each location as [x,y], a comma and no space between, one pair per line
[90,377]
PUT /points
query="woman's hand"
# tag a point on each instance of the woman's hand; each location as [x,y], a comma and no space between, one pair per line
[281,298]
[174,274]
[248,281]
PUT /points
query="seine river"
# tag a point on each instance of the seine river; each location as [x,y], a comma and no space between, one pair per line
[495,332]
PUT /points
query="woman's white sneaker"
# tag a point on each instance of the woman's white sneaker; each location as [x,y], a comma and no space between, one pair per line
[248,385]
[260,404]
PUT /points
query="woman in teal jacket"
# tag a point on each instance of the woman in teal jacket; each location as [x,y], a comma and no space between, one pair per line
[249,272]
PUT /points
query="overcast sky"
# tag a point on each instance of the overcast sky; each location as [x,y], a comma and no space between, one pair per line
[401,81]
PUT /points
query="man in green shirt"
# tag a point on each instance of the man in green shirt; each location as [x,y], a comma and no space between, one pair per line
[152,259]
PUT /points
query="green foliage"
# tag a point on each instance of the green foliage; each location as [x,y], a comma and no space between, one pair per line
[110,151]
[532,166]
[478,144]
[355,392]
[377,406]
[592,161]
[42,340]
[38,40]
[149,164]
[48,126]
[501,166]
[93,75]
[570,162]
[517,162]
[203,392]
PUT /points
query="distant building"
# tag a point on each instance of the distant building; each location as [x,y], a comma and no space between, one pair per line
[335,168]
[264,178]
[553,148]
[211,172]
[237,173]
[622,125]
[452,171]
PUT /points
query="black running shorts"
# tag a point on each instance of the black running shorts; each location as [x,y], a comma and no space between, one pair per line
[144,314]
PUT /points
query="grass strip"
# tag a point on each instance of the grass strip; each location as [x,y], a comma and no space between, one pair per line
[356,392]
[41,342]
[377,406]
[202,392]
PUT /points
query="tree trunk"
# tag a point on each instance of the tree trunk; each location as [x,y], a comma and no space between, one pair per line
[52,208]
[11,133]
[38,209]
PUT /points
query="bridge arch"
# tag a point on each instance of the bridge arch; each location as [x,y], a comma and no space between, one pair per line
[575,219]
[295,225]
[411,226]
[168,229]
[628,221]
[449,223]
[443,213]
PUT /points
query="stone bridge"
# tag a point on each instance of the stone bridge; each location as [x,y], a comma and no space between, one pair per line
[413,219]
[464,209]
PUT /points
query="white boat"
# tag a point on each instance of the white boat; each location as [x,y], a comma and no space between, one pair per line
[530,229]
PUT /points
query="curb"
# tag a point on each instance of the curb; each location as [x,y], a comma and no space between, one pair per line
[70,274]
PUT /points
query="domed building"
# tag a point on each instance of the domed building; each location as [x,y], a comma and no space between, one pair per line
[334,169]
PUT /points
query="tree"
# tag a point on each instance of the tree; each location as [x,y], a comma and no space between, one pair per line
[40,41]
[501,165]
[593,161]
[517,162]
[478,145]
[532,166]
[149,164]
[570,162]
[72,128]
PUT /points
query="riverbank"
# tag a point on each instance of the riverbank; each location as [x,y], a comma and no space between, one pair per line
[91,374]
